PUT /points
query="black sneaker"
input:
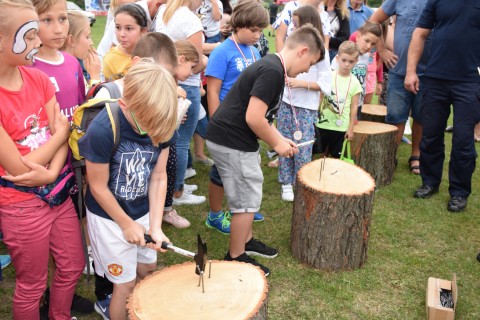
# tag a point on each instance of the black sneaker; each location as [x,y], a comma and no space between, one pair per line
[81,304]
[245,258]
[257,248]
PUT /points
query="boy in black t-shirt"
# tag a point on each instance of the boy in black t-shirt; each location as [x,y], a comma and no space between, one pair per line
[243,117]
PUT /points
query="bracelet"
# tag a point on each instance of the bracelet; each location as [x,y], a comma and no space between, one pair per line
[308,85]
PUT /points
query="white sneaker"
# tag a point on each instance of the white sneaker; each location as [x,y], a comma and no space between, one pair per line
[190,172]
[287,192]
[189,187]
[176,220]
[188,198]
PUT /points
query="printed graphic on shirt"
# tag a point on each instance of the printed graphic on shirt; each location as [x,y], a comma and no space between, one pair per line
[132,172]
[360,71]
[37,136]
[115,269]
[55,84]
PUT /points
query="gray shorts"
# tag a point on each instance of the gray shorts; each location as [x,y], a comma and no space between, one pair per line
[241,175]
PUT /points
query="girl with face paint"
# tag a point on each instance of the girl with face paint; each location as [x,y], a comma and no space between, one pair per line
[33,136]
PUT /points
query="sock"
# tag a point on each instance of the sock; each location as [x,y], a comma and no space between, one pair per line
[213,215]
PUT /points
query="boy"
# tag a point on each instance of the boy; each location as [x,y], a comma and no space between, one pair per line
[245,114]
[126,190]
[339,110]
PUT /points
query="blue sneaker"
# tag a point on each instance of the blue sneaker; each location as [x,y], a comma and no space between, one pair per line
[221,223]
[258,217]
[5,260]
[102,307]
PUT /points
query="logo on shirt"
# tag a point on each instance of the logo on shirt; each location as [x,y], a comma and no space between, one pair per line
[55,84]
[115,269]
[132,179]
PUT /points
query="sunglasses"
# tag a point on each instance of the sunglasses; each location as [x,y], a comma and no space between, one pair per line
[143,133]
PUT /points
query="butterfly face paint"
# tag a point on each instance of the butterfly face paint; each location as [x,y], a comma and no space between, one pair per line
[19,43]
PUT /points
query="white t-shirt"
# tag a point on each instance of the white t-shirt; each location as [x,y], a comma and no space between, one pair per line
[210,26]
[183,24]
[286,17]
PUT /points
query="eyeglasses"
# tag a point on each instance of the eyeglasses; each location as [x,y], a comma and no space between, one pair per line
[143,133]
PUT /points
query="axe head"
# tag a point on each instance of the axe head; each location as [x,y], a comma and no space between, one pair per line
[201,255]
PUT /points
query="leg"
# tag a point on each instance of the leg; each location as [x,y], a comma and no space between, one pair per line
[477,132]
[121,291]
[286,126]
[240,232]
[145,269]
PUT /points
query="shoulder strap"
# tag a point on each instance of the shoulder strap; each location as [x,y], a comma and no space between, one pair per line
[113,90]
[113,109]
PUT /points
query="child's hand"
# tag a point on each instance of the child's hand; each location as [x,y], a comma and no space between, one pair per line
[60,123]
[181,93]
[37,176]
[349,134]
[294,83]
[378,89]
[133,233]
[158,236]
[284,148]
[92,64]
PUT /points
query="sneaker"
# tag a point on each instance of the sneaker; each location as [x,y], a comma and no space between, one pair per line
[221,223]
[189,187]
[81,304]
[90,260]
[245,258]
[175,220]
[287,192]
[5,260]
[190,172]
[257,248]
[257,217]
[102,307]
[188,198]
[206,162]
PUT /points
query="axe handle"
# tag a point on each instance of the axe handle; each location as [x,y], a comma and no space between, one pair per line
[169,246]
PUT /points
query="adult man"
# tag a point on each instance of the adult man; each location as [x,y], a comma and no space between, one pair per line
[452,77]
[400,102]
[359,13]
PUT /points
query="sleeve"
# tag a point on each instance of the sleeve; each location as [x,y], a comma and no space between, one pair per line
[268,85]
[190,24]
[334,63]
[427,18]
[285,16]
[356,88]
[324,79]
[220,6]
[389,7]
[217,63]
[353,37]
[97,143]
[342,35]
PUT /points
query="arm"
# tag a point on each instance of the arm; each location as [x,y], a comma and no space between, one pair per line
[156,199]
[213,94]
[98,175]
[207,48]
[196,40]
[388,56]
[310,85]
[216,13]
[281,35]
[353,116]
[255,118]
[415,51]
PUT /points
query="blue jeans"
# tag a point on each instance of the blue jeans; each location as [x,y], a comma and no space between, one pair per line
[185,134]
[214,39]
[402,103]
[201,130]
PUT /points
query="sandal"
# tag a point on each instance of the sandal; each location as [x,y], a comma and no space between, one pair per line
[415,169]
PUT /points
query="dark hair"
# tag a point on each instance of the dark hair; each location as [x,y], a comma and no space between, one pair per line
[249,14]
[308,14]
[135,11]
[227,6]
[158,46]
[370,27]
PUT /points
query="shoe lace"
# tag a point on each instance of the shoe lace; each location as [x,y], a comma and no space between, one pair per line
[228,215]
[226,221]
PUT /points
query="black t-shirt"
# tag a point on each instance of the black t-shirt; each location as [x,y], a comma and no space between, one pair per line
[228,127]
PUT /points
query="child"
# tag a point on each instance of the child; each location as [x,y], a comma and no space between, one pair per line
[33,135]
[299,107]
[80,45]
[210,13]
[225,65]
[339,110]
[126,190]
[130,25]
[243,117]
[367,37]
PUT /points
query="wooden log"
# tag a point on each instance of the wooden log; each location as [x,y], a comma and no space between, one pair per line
[374,149]
[331,216]
[235,290]
[373,113]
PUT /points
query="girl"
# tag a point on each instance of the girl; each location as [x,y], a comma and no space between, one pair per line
[80,45]
[33,133]
[178,21]
[338,16]
[299,107]
[130,25]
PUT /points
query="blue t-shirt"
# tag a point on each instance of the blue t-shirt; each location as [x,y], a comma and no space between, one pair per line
[407,12]
[455,53]
[226,63]
[359,16]
[130,167]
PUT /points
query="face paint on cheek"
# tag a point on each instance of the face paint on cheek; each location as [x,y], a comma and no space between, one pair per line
[31,55]
[19,44]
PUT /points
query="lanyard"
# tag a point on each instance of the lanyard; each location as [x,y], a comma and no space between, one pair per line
[241,52]
[289,92]
[340,110]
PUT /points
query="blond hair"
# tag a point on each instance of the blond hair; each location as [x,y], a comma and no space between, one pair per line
[172,6]
[350,48]
[7,17]
[77,23]
[42,6]
[186,49]
[342,6]
[154,105]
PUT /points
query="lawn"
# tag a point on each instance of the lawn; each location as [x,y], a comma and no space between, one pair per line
[410,241]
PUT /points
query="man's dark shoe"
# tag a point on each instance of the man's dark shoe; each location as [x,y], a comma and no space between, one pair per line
[425,192]
[81,304]
[457,204]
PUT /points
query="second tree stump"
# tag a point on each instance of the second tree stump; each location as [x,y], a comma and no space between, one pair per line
[373,112]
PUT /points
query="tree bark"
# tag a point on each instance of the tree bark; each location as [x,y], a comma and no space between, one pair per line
[331,215]
[373,113]
[374,149]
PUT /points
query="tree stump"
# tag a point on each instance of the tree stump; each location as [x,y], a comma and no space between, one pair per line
[235,290]
[374,149]
[373,113]
[331,216]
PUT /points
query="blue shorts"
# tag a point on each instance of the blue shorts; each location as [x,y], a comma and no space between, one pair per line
[402,103]
[214,39]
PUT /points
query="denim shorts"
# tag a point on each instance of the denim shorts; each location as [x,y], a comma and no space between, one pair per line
[402,103]
[241,175]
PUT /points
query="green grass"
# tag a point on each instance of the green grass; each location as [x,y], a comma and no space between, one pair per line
[410,240]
